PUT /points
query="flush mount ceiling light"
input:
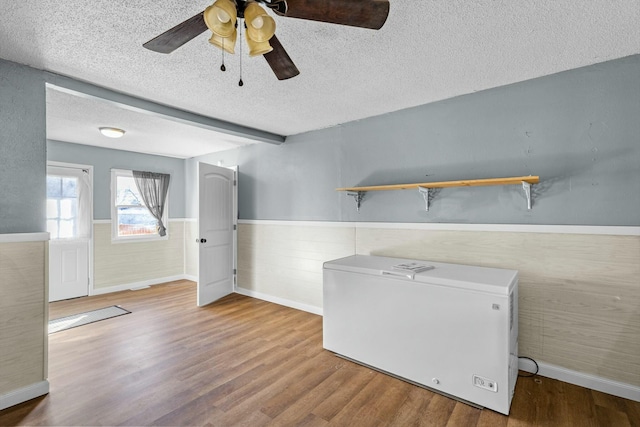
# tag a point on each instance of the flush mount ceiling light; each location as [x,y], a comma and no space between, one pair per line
[112,132]
[225,18]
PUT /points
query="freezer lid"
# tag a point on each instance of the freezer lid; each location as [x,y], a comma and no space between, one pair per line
[481,279]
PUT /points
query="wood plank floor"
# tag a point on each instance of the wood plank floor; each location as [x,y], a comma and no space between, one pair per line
[247,362]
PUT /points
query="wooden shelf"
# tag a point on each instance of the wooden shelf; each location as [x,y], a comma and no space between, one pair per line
[423,187]
[448,184]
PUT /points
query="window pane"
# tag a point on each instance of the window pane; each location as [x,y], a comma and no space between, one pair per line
[52,208]
[67,229]
[132,218]
[52,228]
[132,221]
[127,192]
[54,186]
[69,187]
[68,208]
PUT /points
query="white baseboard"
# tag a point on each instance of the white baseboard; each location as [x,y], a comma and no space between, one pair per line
[592,382]
[190,277]
[139,285]
[280,301]
[23,394]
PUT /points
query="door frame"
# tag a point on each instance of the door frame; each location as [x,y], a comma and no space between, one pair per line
[89,169]
[235,226]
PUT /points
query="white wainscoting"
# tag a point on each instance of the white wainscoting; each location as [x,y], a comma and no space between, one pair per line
[125,265]
[191,249]
[23,317]
[284,260]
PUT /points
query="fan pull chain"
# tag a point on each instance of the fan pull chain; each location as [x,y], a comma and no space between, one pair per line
[240,83]
[222,67]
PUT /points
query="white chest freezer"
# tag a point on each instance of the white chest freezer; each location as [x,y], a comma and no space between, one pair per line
[451,328]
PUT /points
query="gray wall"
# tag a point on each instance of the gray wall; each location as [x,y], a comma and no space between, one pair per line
[22,149]
[578,130]
[104,159]
[293,181]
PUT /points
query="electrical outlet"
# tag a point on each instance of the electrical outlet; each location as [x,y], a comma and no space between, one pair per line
[485,383]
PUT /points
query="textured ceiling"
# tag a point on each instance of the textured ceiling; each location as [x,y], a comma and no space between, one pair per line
[76,119]
[427,51]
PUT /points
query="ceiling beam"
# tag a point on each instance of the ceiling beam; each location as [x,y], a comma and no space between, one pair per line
[128,102]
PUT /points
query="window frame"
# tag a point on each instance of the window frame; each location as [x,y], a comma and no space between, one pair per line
[115,238]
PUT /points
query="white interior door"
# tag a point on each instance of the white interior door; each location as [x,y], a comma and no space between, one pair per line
[217,213]
[69,202]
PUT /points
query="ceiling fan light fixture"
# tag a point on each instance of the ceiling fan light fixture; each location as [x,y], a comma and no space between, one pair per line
[260,26]
[257,48]
[228,44]
[111,132]
[258,22]
[221,18]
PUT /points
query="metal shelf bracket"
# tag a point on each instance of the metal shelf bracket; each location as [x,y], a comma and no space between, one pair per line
[425,194]
[527,192]
[357,196]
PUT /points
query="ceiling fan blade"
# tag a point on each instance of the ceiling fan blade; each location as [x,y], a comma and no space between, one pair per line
[356,13]
[279,61]
[172,39]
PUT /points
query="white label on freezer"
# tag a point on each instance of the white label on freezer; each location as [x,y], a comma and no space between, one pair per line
[485,383]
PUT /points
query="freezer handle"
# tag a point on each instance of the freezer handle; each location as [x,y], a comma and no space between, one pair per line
[402,274]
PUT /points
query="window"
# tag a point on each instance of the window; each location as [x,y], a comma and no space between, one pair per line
[62,206]
[130,218]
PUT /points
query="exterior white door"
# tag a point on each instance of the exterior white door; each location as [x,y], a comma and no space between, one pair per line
[217,213]
[69,203]
[68,269]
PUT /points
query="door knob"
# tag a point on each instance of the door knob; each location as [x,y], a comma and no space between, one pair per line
[203,240]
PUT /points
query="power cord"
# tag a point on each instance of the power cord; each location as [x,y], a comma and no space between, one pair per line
[534,362]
